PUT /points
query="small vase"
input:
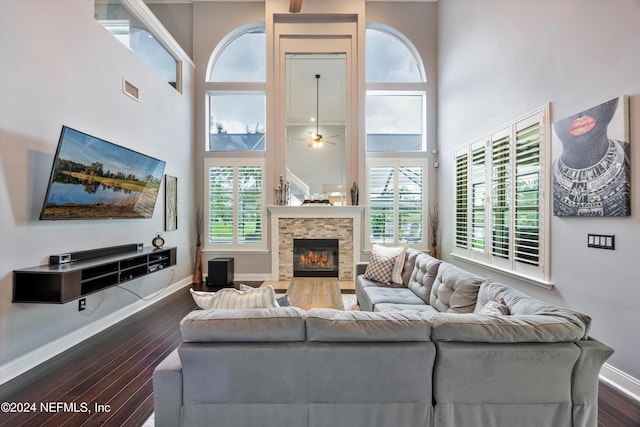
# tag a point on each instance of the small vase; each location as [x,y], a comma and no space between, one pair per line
[354,194]
[433,250]
[197,271]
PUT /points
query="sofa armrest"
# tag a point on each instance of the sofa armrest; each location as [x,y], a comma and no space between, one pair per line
[167,391]
[585,381]
[361,267]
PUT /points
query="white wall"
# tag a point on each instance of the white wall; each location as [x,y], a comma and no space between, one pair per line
[60,67]
[500,59]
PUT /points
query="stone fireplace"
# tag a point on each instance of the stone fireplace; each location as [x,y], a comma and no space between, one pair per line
[288,223]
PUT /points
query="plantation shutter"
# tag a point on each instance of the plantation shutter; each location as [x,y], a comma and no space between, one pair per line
[410,215]
[249,204]
[527,195]
[500,202]
[462,188]
[235,193]
[396,201]
[382,203]
[220,205]
[500,197]
[478,196]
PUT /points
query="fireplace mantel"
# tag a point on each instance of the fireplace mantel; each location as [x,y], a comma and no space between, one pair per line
[316,211]
[313,213]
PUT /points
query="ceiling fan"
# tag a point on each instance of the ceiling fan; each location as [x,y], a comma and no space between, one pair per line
[295,5]
[316,140]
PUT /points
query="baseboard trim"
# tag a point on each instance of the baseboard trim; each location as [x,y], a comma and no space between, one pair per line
[620,380]
[24,363]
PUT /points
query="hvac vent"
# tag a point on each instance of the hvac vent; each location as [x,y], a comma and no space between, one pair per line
[129,89]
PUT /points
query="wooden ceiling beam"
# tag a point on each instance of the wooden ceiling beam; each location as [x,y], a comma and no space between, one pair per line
[295,5]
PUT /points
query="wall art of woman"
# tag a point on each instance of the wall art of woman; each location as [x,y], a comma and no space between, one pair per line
[592,175]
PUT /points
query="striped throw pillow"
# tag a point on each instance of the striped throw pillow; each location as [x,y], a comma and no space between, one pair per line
[233,298]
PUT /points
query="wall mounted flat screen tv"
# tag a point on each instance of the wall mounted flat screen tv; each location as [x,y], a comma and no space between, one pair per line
[95,179]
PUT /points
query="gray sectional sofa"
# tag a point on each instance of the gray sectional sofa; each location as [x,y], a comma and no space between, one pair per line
[426,352]
[533,364]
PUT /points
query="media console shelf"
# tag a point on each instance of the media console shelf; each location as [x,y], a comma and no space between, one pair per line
[60,283]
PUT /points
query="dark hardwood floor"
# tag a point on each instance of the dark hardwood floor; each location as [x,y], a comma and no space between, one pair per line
[114,369]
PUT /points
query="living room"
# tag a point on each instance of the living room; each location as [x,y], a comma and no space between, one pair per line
[486,63]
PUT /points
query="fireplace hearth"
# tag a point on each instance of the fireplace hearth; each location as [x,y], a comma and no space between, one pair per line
[315,258]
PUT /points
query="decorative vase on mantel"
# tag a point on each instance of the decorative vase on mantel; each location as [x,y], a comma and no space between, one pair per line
[354,194]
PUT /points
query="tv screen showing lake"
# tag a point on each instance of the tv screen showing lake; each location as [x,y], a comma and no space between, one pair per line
[93,178]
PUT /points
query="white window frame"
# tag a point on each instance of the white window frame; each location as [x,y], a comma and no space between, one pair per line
[393,89]
[484,254]
[239,92]
[235,163]
[213,88]
[396,163]
[154,27]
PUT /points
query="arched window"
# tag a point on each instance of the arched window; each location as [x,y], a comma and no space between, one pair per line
[236,94]
[236,116]
[391,57]
[240,57]
[395,124]
[396,95]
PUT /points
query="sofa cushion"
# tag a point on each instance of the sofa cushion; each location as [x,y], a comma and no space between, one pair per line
[377,295]
[244,325]
[454,290]
[329,325]
[380,268]
[234,298]
[385,306]
[503,329]
[423,275]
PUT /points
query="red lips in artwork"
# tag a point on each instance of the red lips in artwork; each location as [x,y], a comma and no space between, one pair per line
[582,125]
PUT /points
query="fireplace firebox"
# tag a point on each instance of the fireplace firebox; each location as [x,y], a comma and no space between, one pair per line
[315,258]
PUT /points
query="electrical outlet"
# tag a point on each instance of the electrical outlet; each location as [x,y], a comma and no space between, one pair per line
[172,270]
[82,304]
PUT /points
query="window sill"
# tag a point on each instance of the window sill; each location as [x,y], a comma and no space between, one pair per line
[527,279]
[257,251]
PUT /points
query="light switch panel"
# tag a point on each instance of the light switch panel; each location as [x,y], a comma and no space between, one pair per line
[601,241]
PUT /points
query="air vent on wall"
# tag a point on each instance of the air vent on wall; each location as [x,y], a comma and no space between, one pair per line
[129,89]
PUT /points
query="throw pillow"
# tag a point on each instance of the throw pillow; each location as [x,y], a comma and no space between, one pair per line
[380,268]
[399,253]
[496,307]
[283,299]
[234,298]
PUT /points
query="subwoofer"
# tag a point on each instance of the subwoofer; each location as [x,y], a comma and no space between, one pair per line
[220,272]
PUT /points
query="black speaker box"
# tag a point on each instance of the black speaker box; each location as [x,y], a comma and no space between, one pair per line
[220,272]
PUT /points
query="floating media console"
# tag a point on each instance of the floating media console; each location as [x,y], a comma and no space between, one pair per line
[88,272]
